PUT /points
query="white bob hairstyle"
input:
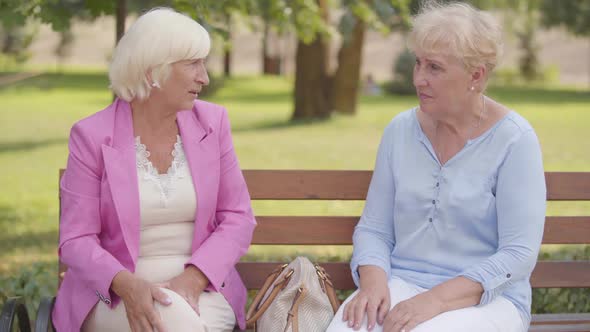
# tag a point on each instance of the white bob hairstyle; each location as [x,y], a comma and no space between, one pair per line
[157,39]
[457,29]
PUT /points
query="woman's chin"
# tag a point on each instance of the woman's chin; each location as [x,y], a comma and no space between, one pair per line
[425,107]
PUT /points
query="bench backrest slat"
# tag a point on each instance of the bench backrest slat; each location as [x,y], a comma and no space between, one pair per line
[353,185]
[324,230]
[546,274]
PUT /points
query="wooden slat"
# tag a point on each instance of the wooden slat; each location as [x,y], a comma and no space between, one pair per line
[568,185]
[560,328]
[300,185]
[546,274]
[338,230]
[561,274]
[567,230]
[556,319]
[353,185]
[304,230]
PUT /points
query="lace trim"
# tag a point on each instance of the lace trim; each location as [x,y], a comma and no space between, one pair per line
[147,170]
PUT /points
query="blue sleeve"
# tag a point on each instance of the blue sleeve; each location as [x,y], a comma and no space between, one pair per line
[374,238]
[520,207]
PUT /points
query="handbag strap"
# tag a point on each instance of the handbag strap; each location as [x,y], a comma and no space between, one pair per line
[256,308]
[292,315]
[327,287]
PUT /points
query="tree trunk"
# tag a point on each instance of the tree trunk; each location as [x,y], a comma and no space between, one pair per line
[271,64]
[264,45]
[227,62]
[311,100]
[345,85]
[227,49]
[120,19]
[312,84]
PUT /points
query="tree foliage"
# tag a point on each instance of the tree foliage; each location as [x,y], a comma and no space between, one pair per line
[573,14]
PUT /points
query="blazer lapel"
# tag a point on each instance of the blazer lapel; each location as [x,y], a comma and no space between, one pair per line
[121,171]
[202,153]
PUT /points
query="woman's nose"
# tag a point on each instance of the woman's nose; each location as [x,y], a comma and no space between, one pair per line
[203,76]
[418,78]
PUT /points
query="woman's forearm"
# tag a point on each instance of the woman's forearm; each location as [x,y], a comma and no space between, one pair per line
[458,293]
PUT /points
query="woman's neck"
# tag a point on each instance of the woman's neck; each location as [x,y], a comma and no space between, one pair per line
[153,117]
[459,121]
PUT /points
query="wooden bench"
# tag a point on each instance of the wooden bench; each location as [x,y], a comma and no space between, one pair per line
[337,230]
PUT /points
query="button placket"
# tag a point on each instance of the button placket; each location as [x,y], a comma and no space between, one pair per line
[436,192]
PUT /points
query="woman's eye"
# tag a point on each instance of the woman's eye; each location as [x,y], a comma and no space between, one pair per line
[434,67]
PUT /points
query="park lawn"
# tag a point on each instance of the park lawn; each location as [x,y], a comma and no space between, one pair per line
[36,114]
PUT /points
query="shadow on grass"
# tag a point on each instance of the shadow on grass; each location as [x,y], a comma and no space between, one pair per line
[21,146]
[45,240]
[9,241]
[50,81]
[508,95]
[277,124]
[538,95]
[251,96]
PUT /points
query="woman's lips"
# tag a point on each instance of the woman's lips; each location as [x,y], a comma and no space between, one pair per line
[424,96]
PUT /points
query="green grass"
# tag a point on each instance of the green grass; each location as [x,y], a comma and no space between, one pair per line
[36,114]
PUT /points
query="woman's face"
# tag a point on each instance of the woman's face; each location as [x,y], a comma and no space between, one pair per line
[442,83]
[187,78]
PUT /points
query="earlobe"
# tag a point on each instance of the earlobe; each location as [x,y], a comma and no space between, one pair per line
[153,84]
[476,77]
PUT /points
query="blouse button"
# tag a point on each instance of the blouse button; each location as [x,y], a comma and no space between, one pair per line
[508,275]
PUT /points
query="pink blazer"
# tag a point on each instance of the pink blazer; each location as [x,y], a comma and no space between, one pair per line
[99,226]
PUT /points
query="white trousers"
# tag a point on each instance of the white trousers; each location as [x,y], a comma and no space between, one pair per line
[498,316]
[216,315]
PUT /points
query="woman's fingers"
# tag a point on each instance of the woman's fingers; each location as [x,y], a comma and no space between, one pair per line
[160,296]
[165,284]
[156,321]
[372,307]
[359,313]
[396,321]
[383,310]
[142,324]
[193,301]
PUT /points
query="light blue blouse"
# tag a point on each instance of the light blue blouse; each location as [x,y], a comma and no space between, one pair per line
[480,216]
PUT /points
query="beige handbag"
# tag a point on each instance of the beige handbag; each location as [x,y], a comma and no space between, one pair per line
[296,297]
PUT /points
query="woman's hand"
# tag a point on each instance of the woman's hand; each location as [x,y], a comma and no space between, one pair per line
[189,284]
[407,314]
[138,295]
[373,299]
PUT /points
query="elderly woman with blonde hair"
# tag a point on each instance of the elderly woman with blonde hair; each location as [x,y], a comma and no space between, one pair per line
[454,215]
[155,212]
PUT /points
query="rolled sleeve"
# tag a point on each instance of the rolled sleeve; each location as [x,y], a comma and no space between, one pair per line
[374,237]
[520,206]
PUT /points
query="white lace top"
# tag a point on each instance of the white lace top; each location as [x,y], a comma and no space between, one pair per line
[168,204]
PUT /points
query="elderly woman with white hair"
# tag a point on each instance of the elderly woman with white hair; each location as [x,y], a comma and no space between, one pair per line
[155,212]
[454,215]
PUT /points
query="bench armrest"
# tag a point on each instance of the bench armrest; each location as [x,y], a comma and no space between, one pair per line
[14,307]
[43,322]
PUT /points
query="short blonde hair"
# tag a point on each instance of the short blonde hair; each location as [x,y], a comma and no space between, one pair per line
[459,30]
[157,39]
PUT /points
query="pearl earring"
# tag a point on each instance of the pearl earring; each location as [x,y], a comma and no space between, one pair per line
[155,85]
[472,88]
